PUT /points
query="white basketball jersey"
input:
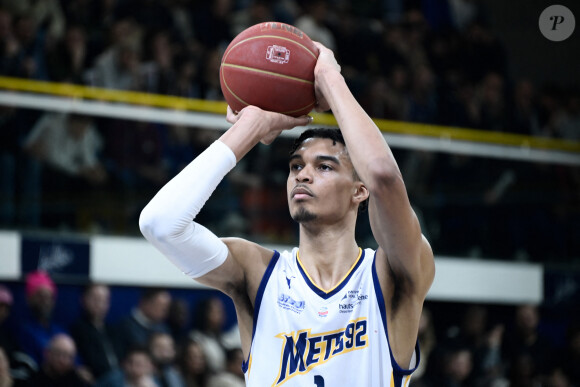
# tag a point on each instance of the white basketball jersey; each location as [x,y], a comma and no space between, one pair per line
[306,336]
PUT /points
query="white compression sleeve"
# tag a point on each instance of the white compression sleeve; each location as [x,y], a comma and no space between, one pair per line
[167,221]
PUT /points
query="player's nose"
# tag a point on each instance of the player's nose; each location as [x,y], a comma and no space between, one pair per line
[304,175]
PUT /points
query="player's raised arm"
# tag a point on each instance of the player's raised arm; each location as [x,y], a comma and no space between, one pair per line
[168,220]
[394,223]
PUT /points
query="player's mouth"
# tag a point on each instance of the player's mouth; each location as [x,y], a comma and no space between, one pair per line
[300,192]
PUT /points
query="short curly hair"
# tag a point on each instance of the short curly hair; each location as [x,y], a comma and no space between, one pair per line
[332,134]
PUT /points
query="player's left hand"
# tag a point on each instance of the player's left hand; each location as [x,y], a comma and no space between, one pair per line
[326,62]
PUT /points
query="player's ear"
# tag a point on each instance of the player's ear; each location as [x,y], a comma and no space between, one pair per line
[360,192]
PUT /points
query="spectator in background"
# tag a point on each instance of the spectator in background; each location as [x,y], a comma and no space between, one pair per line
[92,336]
[209,332]
[258,11]
[178,319]
[47,14]
[427,342]
[193,365]
[232,375]
[210,80]
[37,329]
[9,45]
[529,353]
[570,358]
[211,22]
[58,365]
[7,340]
[187,71]
[5,376]
[491,101]
[136,371]
[162,350]
[148,317]
[483,342]
[31,48]
[20,175]
[313,23]
[68,60]
[522,371]
[458,367]
[118,66]
[524,114]
[158,70]
[69,146]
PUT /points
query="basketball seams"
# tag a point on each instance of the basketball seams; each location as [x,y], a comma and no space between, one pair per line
[246,104]
[267,72]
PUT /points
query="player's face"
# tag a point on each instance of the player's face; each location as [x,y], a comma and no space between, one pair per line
[321,181]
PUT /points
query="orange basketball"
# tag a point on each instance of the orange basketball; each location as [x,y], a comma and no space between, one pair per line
[270,65]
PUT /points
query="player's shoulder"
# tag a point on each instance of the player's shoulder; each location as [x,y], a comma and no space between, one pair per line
[248,252]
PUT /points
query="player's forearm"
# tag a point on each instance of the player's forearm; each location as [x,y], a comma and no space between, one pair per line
[175,205]
[366,145]
[167,221]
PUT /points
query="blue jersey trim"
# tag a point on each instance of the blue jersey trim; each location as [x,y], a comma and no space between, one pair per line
[321,293]
[398,372]
[258,302]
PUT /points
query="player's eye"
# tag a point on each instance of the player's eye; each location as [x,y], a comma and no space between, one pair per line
[295,167]
[325,167]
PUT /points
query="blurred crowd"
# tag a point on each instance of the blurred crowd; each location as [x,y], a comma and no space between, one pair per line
[161,341]
[158,343]
[434,62]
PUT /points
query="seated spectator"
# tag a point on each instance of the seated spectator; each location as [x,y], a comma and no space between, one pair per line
[178,319]
[456,366]
[570,358]
[209,331]
[58,365]
[5,376]
[69,145]
[68,61]
[92,336]
[19,366]
[232,375]
[118,67]
[38,327]
[192,364]
[525,347]
[136,371]
[427,341]
[20,175]
[148,317]
[163,354]
[7,341]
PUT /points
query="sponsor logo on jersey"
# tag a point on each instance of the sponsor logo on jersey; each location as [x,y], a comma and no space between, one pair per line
[304,350]
[350,300]
[323,312]
[289,278]
[288,303]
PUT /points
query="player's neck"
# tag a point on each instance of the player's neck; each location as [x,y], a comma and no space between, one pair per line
[327,255]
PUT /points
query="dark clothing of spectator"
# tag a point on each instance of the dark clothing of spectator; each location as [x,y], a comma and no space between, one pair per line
[33,337]
[134,331]
[95,346]
[70,379]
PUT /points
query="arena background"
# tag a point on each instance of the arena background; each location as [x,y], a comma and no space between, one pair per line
[500,204]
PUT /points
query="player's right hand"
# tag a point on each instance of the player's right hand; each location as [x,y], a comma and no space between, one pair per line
[270,124]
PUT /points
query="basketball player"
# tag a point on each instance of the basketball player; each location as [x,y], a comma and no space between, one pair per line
[327,313]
